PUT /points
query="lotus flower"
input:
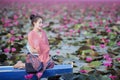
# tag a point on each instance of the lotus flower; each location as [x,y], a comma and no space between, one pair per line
[6,50]
[7,24]
[92,47]
[107,63]
[113,77]
[15,17]
[3,20]
[39,74]
[12,38]
[108,30]
[102,45]
[91,25]
[58,51]
[118,43]
[12,32]
[109,59]
[16,22]
[78,31]
[71,30]
[13,49]
[106,56]
[83,71]
[105,40]
[65,27]
[118,59]
[106,27]
[29,76]
[7,20]
[88,59]
[19,37]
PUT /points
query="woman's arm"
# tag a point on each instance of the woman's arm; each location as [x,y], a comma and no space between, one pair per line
[33,43]
[30,49]
[33,50]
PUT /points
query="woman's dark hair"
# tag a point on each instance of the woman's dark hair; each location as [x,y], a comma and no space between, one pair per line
[34,18]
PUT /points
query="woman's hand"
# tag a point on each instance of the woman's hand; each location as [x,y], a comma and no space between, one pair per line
[33,50]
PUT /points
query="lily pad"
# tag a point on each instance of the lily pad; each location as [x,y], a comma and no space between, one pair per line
[95,64]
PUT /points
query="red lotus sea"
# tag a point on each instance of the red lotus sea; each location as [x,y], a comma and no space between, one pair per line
[85,32]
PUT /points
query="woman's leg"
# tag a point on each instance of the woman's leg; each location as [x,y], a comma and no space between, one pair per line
[50,64]
[19,65]
[39,74]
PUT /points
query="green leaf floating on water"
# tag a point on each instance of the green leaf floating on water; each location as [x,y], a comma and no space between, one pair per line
[77,26]
[95,64]
[86,51]
[111,43]
[105,78]
[86,68]
[112,36]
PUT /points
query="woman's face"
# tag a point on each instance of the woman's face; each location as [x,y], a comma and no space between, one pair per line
[38,24]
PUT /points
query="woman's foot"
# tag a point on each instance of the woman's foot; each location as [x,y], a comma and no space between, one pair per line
[39,74]
[19,65]
[28,76]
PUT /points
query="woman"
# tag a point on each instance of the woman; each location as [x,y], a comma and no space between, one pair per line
[38,43]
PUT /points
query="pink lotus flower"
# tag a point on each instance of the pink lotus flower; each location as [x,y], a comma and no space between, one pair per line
[92,47]
[109,59]
[107,63]
[13,49]
[7,20]
[113,77]
[65,27]
[16,22]
[108,30]
[19,37]
[118,43]
[29,76]
[7,25]
[78,31]
[102,45]
[101,22]
[10,24]
[73,20]
[58,52]
[3,20]
[106,56]
[88,59]
[106,27]
[66,34]
[118,59]
[12,31]
[91,25]
[83,71]
[12,38]
[105,40]
[71,30]
[6,50]
[15,17]
[39,74]
[70,34]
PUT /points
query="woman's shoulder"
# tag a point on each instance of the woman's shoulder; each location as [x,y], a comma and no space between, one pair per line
[30,33]
[44,31]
